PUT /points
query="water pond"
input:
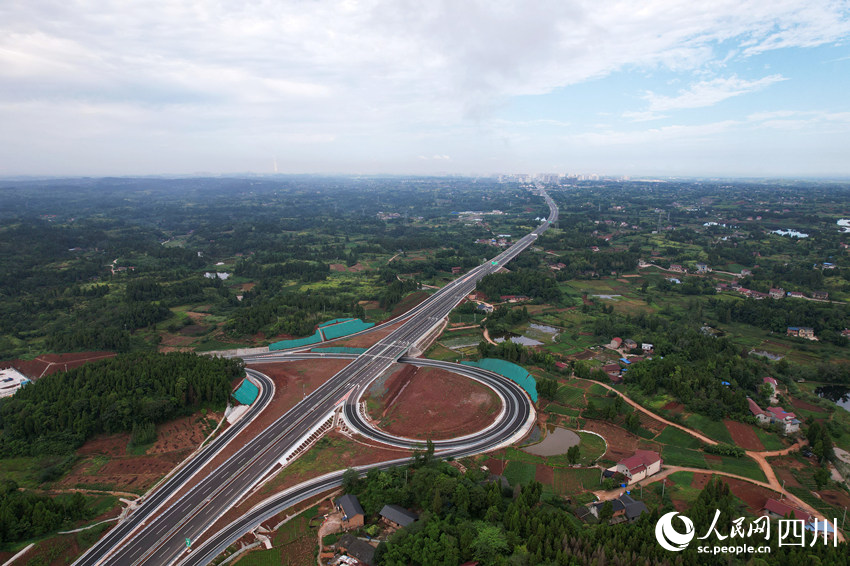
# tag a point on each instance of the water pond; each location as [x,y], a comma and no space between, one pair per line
[838,394]
[558,441]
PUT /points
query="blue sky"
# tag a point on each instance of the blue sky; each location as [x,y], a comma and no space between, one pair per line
[650,88]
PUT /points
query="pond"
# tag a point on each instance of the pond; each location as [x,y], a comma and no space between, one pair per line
[792,233]
[845,224]
[558,441]
[532,335]
[838,394]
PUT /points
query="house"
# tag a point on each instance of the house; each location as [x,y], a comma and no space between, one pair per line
[484,308]
[677,268]
[789,420]
[776,293]
[561,365]
[779,510]
[758,295]
[703,268]
[757,412]
[397,516]
[557,266]
[616,343]
[646,347]
[820,295]
[801,332]
[629,344]
[457,270]
[10,381]
[513,298]
[625,508]
[745,272]
[352,512]
[356,548]
[642,464]
[796,295]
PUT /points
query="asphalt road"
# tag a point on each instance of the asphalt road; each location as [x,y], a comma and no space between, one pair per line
[162,538]
[156,498]
[516,415]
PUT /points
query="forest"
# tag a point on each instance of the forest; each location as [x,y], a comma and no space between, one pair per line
[57,413]
[24,514]
[465,517]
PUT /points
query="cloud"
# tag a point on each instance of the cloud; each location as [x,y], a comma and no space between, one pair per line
[708,93]
[372,75]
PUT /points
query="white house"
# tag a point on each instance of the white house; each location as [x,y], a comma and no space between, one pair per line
[642,464]
[10,381]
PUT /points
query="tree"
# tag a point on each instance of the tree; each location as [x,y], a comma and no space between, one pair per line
[350,479]
[821,477]
[606,512]
[573,454]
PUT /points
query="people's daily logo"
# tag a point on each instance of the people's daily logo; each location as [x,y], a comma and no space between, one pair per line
[670,538]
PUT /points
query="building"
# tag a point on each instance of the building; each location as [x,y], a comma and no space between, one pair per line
[10,381]
[397,516]
[796,295]
[779,510]
[646,347]
[616,343]
[757,412]
[677,268]
[352,513]
[801,332]
[777,293]
[629,344]
[456,270]
[625,509]
[788,420]
[513,298]
[642,464]
[358,549]
[820,295]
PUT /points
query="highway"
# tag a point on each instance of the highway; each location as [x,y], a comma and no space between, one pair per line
[510,423]
[151,502]
[161,539]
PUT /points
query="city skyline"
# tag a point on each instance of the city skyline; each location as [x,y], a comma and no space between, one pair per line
[670,89]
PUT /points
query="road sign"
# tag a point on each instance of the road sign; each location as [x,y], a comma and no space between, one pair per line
[494,262]
[188,542]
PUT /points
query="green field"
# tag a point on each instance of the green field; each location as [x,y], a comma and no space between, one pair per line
[559,410]
[574,480]
[677,456]
[570,396]
[675,437]
[520,473]
[769,441]
[713,429]
[270,557]
[739,466]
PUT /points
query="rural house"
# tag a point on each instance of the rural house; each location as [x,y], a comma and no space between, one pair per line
[397,516]
[642,464]
[352,512]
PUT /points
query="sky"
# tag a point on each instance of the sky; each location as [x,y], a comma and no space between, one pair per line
[637,87]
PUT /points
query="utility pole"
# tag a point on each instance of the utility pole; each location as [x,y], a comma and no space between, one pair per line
[663,485]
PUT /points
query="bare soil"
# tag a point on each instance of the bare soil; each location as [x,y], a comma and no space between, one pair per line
[621,444]
[837,498]
[753,495]
[496,466]
[785,475]
[674,407]
[544,474]
[433,403]
[366,340]
[126,472]
[808,406]
[744,436]
[48,364]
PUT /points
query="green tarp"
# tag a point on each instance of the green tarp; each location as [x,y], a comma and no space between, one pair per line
[339,350]
[515,373]
[345,328]
[247,392]
[297,343]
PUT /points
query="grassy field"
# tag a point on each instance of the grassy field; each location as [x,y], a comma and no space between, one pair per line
[739,466]
[574,480]
[677,456]
[675,437]
[769,441]
[560,410]
[571,397]
[270,557]
[519,473]
[712,429]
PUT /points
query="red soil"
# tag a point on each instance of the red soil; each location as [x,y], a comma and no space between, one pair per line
[126,472]
[48,364]
[808,406]
[409,302]
[650,423]
[753,495]
[837,498]
[700,480]
[674,407]
[786,476]
[744,436]
[353,269]
[496,466]
[364,340]
[621,444]
[437,404]
[544,474]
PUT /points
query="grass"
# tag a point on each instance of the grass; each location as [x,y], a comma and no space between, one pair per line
[295,528]
[677,456]
[559,410]
[570,396]
[768,440]
[270,557]
[713,429]
[739,466]
[592,448]
[675,437]
[520,473]
[574,480]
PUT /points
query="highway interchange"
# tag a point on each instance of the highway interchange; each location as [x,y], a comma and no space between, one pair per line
[156,533]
